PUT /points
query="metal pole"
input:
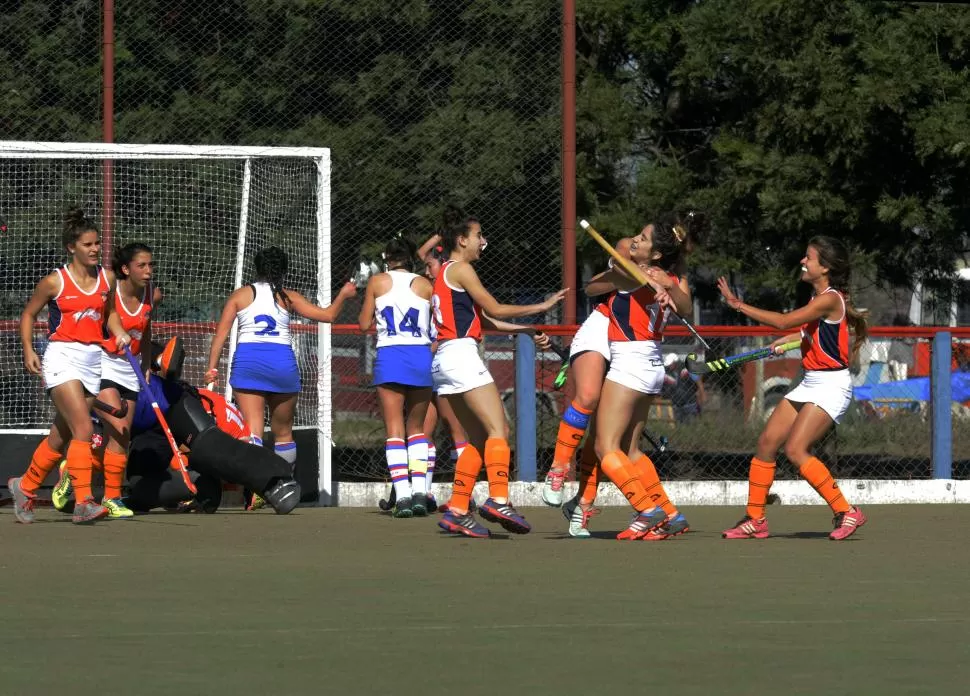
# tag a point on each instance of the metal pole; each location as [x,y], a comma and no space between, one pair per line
[569,278]
[940,395]
[525,407]
[108,118]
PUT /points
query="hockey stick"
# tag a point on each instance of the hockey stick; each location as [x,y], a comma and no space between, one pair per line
[563,374]
[696,367]
[113,411]
[162,422]
[388,505]
[634,272]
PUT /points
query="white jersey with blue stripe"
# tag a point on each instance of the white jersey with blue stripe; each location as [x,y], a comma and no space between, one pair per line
[264,321]
[403,318]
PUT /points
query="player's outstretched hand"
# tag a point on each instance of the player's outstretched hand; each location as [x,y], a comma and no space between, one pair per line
[211,377]
[554,299]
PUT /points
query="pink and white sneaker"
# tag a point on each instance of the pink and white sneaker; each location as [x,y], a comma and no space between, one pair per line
[846,523]
[552,487]
[748,528]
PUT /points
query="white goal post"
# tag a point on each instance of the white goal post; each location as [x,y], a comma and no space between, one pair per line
[205,211]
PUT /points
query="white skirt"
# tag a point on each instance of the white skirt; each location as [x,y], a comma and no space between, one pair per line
[638,365]
[117,369]
[64,362]
[592,337]
[457,367]
[830,390]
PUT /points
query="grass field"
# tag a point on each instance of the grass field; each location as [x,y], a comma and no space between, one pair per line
[345,601]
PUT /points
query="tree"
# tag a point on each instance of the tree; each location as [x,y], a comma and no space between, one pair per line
[781,120]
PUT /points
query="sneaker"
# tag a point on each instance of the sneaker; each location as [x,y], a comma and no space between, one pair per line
[643,523]
[463,524]
[578,518]
[846,523]
[419,505]
[672,527]
[748,528]
[255,502]
[431,505]
[88,512]
[552,487]
[23,502]
[284,496]
[505,515]
[62,497]
[117,510]
[403,509]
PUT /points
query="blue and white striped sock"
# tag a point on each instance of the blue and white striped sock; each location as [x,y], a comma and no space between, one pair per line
[397,463]
[287,450]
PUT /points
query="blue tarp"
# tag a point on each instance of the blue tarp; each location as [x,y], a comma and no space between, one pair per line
[917,389]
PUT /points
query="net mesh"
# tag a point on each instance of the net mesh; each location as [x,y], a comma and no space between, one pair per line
[189,211]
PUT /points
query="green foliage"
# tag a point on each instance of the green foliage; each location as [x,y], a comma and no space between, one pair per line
[779,119]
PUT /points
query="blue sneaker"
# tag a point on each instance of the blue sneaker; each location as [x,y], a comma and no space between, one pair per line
[672,527]
[463,524]
[643,523]
[505,515]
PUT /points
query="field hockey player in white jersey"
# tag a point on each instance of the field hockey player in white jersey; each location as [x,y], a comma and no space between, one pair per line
[264,370]
[398,301]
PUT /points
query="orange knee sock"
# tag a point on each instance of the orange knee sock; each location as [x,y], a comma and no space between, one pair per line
[761,475]
[820,478]
[648,474]
[571,429]
[588,475]
[467,467]
[44,460]
[618,467]
[80,462]
[114,472]
[497,457]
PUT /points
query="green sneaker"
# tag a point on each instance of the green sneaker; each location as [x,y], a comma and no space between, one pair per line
[62,496]
[117,510]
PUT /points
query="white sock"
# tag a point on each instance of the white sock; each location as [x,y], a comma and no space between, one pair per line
[287,450]
[418,462]
[255,440]
[432,456]
[397,463]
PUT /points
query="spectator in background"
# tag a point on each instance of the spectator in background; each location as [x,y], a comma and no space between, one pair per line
[685,391]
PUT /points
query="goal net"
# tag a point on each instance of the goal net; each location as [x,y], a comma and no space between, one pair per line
[205,211]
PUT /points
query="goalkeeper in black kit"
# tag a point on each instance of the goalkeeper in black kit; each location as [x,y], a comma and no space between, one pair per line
[211,431]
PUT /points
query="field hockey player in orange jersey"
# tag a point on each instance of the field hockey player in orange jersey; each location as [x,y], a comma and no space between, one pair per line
[433,255]
[636,376]
[820,400]
[78,297]
[462,307]
[589,359]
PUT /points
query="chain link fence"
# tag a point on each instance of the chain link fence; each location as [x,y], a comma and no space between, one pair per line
[707,428]
[422,102]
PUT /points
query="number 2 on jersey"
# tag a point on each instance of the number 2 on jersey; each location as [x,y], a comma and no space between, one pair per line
[269,329]
[409,323]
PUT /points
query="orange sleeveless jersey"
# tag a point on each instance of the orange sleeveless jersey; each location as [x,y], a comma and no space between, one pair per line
[76,316]
[135,324]
[825,345]
[228,417]
[636,316]
[455,314]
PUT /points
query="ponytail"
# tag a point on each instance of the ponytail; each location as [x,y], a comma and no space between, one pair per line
[271,266]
